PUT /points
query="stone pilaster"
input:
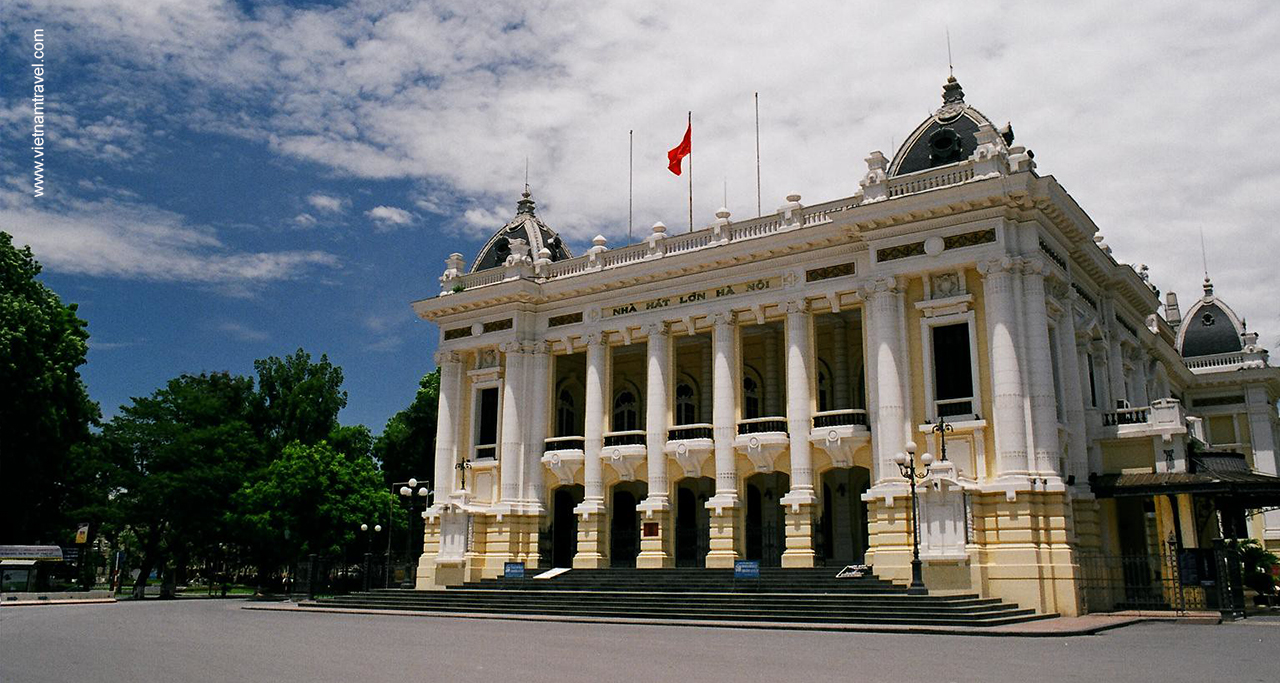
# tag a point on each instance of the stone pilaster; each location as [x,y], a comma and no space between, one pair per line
[593,542]
[448,414]
[514,401]
[655,549]
[724,421]
[799,501]
[1044,414]
[888,357]
[1008,401]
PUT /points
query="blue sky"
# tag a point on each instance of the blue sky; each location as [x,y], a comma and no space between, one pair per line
[231,180]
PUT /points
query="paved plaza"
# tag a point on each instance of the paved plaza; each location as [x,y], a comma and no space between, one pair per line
[216,640]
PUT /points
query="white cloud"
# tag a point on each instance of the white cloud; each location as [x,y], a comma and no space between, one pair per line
[1150,115]
[326,203]
[304,220]
[389,216]
[129,240]
[243,332]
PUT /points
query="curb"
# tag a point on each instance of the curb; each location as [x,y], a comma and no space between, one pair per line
[1014,630]
[74,601]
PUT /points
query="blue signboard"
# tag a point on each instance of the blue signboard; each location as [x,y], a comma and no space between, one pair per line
[513,570]
[746,569]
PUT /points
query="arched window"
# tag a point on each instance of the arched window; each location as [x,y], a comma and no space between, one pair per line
[686,405]
[626,413]
[750,397]
[566,416]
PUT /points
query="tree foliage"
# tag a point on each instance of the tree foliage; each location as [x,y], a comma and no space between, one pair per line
[311,500]
[175,459]
[299,400]
[45,411]
[407,446]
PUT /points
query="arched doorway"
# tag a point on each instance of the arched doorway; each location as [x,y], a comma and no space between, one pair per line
[624,524]
[693,521]
[842,525]
[563,531]
[765,521]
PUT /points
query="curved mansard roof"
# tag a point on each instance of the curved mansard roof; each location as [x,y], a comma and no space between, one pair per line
[1210,327]
[526,234]
[949,135]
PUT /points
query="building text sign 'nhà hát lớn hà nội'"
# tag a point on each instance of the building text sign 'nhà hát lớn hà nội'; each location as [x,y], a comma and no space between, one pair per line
[675,301]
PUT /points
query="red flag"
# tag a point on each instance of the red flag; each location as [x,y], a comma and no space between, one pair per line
[680,151]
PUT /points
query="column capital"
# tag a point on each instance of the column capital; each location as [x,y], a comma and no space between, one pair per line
[1032,265]
[882,285]
[997,266]
[723,318]
[443,357]
[596,338]
[797,306]
[657,329]
[539,347]
[511,347]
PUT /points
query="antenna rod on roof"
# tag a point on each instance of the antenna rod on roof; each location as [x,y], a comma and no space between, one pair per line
[758,211]
[951,71]
[1204,255]
[631,165]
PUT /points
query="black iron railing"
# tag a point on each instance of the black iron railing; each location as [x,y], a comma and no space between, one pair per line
[695,431]
[841,418]
[762,425]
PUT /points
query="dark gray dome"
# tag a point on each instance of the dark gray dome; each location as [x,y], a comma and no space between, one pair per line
[1210,327]
[946,137]
[1210,330]
[524,229]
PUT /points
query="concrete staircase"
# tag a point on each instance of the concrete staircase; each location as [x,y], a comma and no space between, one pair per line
[812,596]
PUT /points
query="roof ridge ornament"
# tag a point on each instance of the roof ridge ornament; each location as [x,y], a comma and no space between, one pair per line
[526,204]
[952,99]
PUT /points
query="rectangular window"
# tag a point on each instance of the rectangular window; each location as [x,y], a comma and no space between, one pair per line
[952,370]
[1093,385]
[1222,430]
[487,423]
[1057,377]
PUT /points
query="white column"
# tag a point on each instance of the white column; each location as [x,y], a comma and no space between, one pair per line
[799,403]
[541,409]
[657,410]
[511,455]
[1115,366]
[704,396]
[593,432]
[1142,378]
[724,410]
[840,390]
[1266,459]
[888,357]
[1073,392]
[1044,414]
[1006,373]
[769,393]
[448,412]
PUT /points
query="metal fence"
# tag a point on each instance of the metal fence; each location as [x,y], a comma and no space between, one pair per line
[1180,581]
[322,575]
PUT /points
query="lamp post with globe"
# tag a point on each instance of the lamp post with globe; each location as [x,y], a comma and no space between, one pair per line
[406,489]
[906,463]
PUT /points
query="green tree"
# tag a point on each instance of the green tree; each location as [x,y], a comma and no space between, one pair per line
[174,460]
[407,446]
[298,400]
[45,410]
[311,499]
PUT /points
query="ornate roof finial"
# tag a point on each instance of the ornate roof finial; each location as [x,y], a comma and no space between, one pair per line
[525,205]
[951,92]
[1208,286]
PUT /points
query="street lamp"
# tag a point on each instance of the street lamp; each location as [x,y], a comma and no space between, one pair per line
[906,463]
[942,429]
[406,489]
[368,551]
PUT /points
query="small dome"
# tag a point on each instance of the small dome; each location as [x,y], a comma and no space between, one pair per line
[946,137]
[526,234]
[1209,328]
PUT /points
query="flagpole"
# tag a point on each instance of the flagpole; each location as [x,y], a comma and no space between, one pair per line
[631,166]
[690,171]
[758,210]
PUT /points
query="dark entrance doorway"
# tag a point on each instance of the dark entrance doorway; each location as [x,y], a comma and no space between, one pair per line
[563,531]
[624,524]
[765,531]
[842,526]
[693,522]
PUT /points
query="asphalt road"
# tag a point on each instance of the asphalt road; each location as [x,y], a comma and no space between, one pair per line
[215,640]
